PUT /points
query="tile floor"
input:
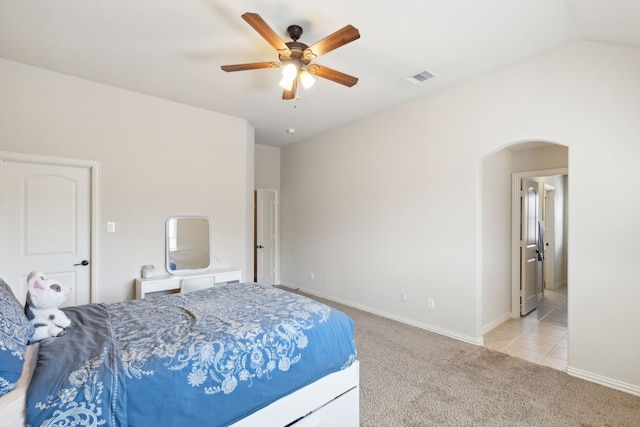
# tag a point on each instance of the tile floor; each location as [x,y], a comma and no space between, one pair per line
[540,337]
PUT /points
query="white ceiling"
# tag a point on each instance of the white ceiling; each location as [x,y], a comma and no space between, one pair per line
[173,49]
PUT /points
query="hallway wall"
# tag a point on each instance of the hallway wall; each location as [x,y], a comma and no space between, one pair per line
[393,203]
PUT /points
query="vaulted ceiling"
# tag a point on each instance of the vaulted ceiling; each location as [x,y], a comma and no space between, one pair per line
[173,49]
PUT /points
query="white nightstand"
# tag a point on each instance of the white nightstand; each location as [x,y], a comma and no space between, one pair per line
[174,282]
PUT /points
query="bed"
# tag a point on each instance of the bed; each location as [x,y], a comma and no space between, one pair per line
[243,355]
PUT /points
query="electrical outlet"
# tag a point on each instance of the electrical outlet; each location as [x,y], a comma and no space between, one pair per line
[431,303]
[403,297]
[313,276]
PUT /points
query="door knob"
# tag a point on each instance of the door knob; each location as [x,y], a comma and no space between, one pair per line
[260,247]
[84,263]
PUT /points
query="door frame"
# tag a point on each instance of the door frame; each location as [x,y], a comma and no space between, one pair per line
[548,212]
[276,231]
[94,188]
[516,177]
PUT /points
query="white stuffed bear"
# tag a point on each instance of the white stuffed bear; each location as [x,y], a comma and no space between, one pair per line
[43,298]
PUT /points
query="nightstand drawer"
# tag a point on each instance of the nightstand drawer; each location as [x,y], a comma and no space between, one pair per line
[228,276]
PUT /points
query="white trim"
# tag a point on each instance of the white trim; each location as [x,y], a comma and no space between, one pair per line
[425,326]
[559,284]
[95,231]
[277,233]
[496,322]
[549,263]
[607,382]
[93,167]
[479,288]
[2,249]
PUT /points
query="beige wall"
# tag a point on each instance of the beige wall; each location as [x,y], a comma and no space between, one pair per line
[393,203]
[389,204]
[267,177]
[157,158]
[496,251]
[267,167]
[553,157]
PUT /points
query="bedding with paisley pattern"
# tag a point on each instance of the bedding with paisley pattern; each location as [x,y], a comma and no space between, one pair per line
[208,357]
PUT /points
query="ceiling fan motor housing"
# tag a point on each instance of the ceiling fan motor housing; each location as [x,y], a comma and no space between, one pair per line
[297,53]
[295,47]
[294,31]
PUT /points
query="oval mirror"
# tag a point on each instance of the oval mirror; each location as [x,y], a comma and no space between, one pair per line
[188,244]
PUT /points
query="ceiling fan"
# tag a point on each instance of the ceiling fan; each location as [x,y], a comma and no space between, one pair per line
[296,56]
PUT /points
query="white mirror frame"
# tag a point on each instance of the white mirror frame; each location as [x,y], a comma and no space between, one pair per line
[200,237]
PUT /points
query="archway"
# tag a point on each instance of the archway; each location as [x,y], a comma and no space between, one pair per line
[500,205]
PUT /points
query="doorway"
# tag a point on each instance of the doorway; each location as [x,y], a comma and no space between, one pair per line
[537,334]
[48,223]
[502,326]
[545,179]
[265,249]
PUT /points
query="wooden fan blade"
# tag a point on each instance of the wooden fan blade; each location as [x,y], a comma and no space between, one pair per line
[287,94]
[290,94]
[252,66]
[333,75]
[333,41]
[267,33]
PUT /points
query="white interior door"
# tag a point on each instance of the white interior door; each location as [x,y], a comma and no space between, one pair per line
[516,232]
[46,226]
[529,246]
[265,236]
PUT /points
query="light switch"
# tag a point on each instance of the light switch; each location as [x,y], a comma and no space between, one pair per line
[111,227]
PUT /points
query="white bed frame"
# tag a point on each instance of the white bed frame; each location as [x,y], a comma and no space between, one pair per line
[331,401]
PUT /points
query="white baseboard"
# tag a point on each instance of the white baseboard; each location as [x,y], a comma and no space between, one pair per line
[425,326]
[578,373]
[496,322]
[604,381]
[559,284]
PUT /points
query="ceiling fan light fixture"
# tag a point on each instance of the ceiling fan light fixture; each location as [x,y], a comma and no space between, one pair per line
[290,71]
[306,79]
[286,83]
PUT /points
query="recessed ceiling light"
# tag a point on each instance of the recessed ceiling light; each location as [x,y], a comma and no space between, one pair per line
[291,130]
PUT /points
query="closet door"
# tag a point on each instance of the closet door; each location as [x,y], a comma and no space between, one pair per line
[530,246]
[265,236]
[46,226]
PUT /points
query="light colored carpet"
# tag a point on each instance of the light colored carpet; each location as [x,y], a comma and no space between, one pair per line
[412,377]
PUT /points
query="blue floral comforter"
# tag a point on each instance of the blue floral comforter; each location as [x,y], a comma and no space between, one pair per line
[207,357]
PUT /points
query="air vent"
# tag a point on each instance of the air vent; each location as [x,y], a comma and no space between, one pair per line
[419,78]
